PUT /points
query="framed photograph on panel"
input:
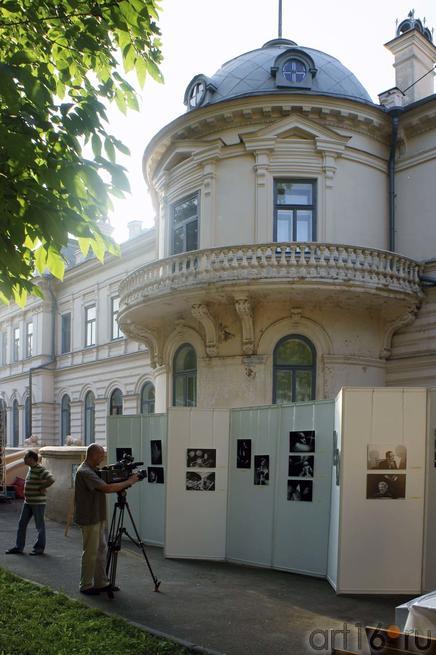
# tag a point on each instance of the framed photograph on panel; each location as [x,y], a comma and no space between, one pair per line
[386,457]
[243,454]
[156,452]
[300,490]
[301,466]
[155,474]
[121,452]
[201,458]
[261,469]
[200,481]
[302,441]
[385,486]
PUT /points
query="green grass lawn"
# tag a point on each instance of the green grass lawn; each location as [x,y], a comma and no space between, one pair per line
[36,621]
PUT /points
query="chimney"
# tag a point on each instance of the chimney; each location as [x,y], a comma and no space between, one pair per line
[415,57]
[135,229]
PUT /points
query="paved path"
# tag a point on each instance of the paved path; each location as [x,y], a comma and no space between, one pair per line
[232,609]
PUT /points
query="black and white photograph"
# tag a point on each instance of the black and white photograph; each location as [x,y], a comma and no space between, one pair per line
[155,474]
[201,458]
[261,469]
[156,452]
[386,486]
[300,490]
[301,466]
[120,452]
[385,457]
[243,454]
[302,441]
[336,458]
[200,481]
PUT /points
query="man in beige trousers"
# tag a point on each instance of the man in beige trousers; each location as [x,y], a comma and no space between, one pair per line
[90,515]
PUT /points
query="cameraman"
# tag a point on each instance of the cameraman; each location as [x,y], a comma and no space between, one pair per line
[90,515]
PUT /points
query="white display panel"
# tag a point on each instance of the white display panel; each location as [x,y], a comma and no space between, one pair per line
[196,518]
[380,538]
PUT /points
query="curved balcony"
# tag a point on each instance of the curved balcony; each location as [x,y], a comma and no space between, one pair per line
[273,264]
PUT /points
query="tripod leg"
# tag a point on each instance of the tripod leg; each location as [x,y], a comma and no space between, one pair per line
[140,543]
[114,546]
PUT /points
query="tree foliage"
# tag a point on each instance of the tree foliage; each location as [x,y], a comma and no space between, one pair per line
[59,68]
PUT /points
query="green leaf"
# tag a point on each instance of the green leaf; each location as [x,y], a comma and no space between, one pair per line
[110,150]
[55,263]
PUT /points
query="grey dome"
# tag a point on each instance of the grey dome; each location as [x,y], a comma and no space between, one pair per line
[252,73]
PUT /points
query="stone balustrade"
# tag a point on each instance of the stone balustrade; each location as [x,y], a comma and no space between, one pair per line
[273,262]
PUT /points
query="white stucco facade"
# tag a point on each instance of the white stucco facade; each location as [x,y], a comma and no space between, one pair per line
[355,292]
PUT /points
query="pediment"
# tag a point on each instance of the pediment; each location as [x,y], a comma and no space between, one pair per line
[293,127]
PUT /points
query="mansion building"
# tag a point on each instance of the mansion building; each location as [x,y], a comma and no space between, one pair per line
[294,253]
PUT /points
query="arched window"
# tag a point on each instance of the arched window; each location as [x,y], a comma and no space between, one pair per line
[185,377]
[294,370]
[65,418]
[116,403]
[147,398]
[89,418]
[27,418]
[15,423]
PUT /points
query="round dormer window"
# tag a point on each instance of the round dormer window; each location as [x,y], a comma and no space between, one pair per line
[294,70]
[196,94]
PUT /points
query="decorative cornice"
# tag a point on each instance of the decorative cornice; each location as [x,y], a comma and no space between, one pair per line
[244,310]
[202,314]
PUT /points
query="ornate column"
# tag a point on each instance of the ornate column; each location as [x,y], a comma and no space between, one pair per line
[161,389]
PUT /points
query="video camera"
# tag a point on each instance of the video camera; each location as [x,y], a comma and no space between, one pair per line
[122,470]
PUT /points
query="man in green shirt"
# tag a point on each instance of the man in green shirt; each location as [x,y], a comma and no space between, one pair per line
[37,481]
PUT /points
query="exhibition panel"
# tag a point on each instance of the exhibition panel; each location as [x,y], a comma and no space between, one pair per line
[197,470]
[144,438]
[280,519]
[381,501]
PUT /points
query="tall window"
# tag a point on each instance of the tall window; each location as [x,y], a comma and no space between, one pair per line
[294,370]
[16,353]
[185,377]
[66,333]
[294,211]
[27,411]
[116,403]
[65,418]
[3,420]
[90,323]
[4,348]
[147,398]
[15,423]
[116,332]
[184,219]
[89,418]
[29,339]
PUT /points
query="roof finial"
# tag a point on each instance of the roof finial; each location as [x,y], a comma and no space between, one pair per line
[280,19]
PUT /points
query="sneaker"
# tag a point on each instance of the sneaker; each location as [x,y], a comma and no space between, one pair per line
[14,551]
[90,591]
[36,552]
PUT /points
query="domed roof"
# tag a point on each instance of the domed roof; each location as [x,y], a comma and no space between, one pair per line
[280,66]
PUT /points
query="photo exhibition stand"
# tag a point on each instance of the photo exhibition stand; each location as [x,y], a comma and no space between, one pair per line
[312,488]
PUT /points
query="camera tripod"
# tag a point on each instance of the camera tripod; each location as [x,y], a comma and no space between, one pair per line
[116,532]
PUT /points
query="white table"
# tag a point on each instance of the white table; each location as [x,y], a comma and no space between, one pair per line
[422,615]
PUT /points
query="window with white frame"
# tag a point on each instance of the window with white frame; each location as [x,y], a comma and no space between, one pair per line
[66,332]
[16,344]
[4,348]
[90,325]
[115,306]
[184,221]
[29,339]
[294,210]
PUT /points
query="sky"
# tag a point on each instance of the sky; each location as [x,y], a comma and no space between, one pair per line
[200,35]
